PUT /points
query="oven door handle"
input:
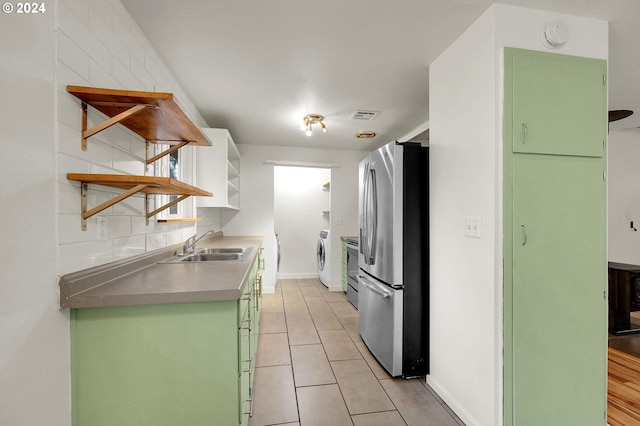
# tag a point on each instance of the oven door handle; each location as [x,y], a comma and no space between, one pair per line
[376,288]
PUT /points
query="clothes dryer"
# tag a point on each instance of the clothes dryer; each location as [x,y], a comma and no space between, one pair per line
[323,256]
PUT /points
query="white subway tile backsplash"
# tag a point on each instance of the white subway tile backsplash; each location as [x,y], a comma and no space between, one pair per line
[69,110]
[80,34]
[100,45]
[72,55]
[126,164]
[70,228]
[156,241]
[102,29]
[102,8]
[132,206]
[116,136]
[143,75]
[69,198]
[123,75]
[75,257]
[179,236]
[130,246]
[118,226]
[67,76]
[120,12]
[158,76]
[139,225]
[68,164]
[80,9]
[99,77]
[97,151]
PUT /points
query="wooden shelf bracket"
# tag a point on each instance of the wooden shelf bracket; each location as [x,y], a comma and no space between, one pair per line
[165,152]
[87,133]
[166,206]
[132,185]
[86,214]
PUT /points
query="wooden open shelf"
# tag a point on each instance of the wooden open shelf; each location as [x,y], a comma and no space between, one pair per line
[154,116]
[183,219]
[133,185]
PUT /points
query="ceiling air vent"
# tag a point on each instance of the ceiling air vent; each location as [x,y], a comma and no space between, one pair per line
[364,115]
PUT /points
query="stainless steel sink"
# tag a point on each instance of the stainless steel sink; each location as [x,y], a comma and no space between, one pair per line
[210,257]
[223,250]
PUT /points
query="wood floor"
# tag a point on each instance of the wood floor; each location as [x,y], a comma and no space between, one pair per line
[623,400]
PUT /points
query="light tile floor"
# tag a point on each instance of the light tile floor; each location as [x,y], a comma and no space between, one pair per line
[312,368]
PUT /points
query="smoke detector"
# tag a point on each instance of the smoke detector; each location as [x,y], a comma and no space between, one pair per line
[364,115]
[365,134]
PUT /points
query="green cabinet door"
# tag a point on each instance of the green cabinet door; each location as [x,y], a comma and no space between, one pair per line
[555,264]
[559,106]
[559,283]
[155,364]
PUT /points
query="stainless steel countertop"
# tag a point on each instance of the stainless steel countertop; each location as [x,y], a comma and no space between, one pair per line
[144,279]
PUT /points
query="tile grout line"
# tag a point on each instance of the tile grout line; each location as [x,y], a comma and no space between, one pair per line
[293,372]
[322,291]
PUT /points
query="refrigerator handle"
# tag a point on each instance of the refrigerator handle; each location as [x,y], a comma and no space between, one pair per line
[376,288]
[363,212]
[372,217]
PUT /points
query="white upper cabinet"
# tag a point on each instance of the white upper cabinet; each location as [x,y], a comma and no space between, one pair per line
[218,170]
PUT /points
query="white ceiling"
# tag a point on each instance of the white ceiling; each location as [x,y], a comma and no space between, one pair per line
[257,67]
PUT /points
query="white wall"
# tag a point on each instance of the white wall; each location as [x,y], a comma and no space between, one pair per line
[257,200]
[299,200]
[465,104]
[34,336]
[623,180]
[90,43]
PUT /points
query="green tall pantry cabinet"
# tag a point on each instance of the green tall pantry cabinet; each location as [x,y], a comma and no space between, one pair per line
[555,266]
[167,364]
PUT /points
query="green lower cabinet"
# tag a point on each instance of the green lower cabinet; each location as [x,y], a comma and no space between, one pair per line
[173,364]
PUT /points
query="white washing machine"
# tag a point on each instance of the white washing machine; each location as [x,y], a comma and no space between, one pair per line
[323,256]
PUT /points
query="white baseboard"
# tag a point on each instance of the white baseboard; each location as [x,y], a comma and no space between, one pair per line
[452,403]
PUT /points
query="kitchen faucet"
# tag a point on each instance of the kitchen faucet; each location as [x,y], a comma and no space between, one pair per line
[190,245]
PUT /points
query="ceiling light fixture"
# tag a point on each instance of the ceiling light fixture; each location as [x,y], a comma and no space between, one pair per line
[309,120]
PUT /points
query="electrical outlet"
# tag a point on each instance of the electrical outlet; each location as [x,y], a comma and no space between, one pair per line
[102,228]
[473,227]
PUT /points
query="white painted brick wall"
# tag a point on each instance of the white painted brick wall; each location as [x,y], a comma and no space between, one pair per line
[100,45]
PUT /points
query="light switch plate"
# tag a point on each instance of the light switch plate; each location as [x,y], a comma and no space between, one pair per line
[473,227]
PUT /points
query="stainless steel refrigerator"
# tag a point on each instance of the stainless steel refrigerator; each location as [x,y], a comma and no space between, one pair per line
[393,259]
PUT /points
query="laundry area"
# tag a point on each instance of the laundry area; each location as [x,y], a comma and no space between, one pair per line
[302,221]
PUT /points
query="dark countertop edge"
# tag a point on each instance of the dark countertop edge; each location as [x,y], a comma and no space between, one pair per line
[72,285]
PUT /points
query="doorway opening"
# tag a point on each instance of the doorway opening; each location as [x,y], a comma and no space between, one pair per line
[302,209]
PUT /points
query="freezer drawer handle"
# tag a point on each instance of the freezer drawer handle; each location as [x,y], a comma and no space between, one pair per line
[384,293]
